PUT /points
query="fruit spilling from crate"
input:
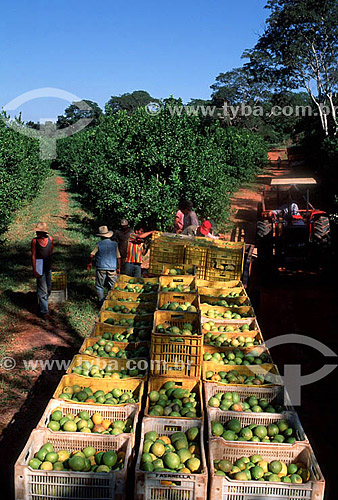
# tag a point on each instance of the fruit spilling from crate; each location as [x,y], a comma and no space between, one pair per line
[236,357]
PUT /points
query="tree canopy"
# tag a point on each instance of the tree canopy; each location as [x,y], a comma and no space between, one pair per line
[129,102]
[299,49]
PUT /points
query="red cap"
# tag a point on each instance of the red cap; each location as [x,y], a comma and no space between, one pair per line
[205,227]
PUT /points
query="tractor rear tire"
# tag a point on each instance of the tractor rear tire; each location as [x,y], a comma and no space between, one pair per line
[321,232]
[264,239]
[263,230]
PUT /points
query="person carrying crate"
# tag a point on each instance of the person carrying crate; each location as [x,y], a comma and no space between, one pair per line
[42,250]
[107,260]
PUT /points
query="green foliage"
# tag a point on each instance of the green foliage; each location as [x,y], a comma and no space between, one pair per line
[140,166]
[21,171]
[73,113]
[129,102]
[299,49]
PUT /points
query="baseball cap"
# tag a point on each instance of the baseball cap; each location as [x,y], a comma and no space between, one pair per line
[205,227]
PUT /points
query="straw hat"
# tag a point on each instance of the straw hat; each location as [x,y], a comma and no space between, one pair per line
[41,227]
[104,232]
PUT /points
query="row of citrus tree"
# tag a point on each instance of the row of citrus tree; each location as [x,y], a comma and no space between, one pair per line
[21,172]
[139,166]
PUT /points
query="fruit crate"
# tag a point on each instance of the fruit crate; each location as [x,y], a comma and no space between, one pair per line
[124,297]
[122,287]
[139,306]
[258,350]
[196,255]
[253,327]
[170,485]
[100,328]
[219,283]
[243,300]
[240,310]
[127,346]
[124,278]
[176,355]
[111,413]
[216,292]
[103,384]
[193,385]
[247,418]
[115,363]
[32,484]
[183,267]
[179,280]
[225,261]
[276,394]
[165,251]
[59,280]
[223,488]
[263,369]
[181,298]
[118,316]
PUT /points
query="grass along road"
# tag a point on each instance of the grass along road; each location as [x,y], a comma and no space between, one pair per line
[24,336]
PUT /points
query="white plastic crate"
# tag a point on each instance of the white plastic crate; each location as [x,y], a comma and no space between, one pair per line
[111,413]
[31,484]
[58,296]
[224,488]
[247,418]
[275,393]
[167,485]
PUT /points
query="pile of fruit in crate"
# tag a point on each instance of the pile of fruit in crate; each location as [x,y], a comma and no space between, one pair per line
[78,394]
[88,459]
[106,348]
[233,430]
[256,469]
[226,401]
[83,422]
[173,401]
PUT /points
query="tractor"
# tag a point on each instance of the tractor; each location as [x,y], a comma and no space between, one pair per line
[290,231]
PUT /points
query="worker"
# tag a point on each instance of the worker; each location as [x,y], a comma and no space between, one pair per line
[122,237]
[135,251]
[179,221]
[190,218]
[42,250]
[204,230]
[108,262]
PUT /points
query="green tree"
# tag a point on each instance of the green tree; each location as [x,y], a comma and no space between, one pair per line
[129,102]
[299,49]
[78,110]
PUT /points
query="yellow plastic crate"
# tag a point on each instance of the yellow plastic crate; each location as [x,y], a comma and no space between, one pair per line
[184,268]
[263,370]
[176,355]
[192,384]
[116,364]
[196,254]
[178,280]
[102,384]
[165,250]
[101,328]
[225,261]
[218,283]
[127,346]
[180,298]
[59,280]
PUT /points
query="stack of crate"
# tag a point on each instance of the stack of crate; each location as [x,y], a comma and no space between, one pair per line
[221,333]
[105,373]
[176,359]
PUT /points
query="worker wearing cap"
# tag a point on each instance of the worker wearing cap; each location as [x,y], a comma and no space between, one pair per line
[122,237]
[203,230]
[108,261]
[42,250]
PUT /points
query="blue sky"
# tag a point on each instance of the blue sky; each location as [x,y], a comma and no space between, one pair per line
[98,49]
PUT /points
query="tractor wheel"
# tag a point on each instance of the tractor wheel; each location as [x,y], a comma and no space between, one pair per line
[321,232]
[264,238]
[263,230]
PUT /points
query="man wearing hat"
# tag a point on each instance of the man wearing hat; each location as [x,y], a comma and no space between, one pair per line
[42,250]
[203,230]
[108,261]
[122,237]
